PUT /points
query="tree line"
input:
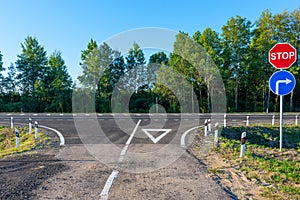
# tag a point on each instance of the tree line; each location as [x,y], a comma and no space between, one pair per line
[36,82]
[40,83]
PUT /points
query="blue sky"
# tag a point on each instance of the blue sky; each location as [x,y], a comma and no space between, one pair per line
[68,25]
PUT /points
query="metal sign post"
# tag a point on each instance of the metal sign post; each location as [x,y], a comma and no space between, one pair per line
[280,123]
[282,83]
[282,56]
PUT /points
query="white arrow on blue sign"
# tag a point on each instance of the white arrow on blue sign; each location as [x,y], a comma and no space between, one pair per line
[282,82]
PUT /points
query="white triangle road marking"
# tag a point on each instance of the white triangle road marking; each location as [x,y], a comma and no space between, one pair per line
[155,140]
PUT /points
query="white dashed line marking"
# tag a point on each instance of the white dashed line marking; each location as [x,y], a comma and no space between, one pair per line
[122,155]
[108,185]
[113,176]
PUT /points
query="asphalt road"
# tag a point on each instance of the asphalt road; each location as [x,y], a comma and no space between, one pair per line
[125,134]
[68,124]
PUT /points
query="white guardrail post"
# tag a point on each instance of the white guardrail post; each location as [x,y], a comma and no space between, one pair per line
[247,121]
[243,145]
[225,122]
[12,122]
[30,126]
[209,125]
[17,138]
[216,139]
[205,128]
[273,120]
[36,125]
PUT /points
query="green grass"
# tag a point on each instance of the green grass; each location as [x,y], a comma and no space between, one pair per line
[27,141]
[263,162]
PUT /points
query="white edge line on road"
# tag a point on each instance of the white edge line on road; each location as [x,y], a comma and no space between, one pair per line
[61,137]
[182,140]
[113,176]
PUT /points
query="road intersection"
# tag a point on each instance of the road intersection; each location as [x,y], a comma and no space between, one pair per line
[123,146]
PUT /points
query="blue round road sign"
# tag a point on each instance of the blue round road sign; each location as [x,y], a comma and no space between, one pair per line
[282,82]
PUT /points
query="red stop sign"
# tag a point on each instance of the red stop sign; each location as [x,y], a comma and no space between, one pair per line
[282,55]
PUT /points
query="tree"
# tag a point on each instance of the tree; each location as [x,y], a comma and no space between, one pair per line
[12,97]
[55,88]
[190,69]
[1,62]
[293,34]
[90,47]
[135,61]
[259,69]
[286,29]
[10,81]
[159,58]
[135,57]
[31,67]
[95,60]
[210,42]
[156,61]
[108,82]
[1,76]
[236,36]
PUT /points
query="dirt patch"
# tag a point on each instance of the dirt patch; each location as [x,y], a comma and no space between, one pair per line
[19,176]
[69,172]
[84,178]
[222,172]
[231,179]
[22,173]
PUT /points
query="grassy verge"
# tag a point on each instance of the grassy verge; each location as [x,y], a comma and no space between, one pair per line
[27,141]
[276,173]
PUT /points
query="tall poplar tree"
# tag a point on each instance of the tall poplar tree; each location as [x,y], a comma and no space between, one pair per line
[236,37]
[260,69]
